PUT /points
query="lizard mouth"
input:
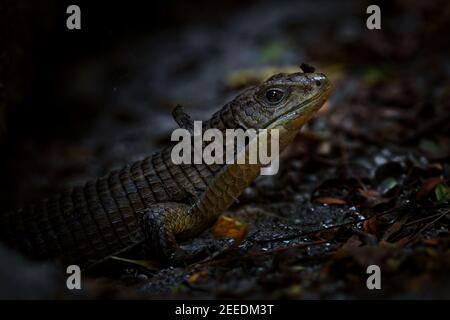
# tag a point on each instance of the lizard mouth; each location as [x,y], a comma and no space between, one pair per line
[289,114]
[302,112]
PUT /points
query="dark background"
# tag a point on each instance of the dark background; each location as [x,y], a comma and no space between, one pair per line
[41,60]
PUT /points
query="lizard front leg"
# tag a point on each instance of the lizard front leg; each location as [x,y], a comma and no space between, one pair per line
[164,224]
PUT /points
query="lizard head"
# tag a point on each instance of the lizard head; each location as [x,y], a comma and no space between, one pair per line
[284,100]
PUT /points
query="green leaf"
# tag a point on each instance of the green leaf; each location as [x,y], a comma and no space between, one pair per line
[387,184]
[442,193]
[392,264]
[178,288]
[273,51]
[372,76]
[430,147]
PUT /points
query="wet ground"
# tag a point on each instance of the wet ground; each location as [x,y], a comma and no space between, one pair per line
[366,182]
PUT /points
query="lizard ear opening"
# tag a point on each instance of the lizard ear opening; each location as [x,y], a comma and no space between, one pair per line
[183,119]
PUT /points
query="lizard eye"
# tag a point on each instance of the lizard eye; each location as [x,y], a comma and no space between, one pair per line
[274,95]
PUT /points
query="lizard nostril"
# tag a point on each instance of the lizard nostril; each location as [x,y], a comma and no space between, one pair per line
[318,83]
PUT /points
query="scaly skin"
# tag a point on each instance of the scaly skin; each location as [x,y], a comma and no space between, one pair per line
[154,201]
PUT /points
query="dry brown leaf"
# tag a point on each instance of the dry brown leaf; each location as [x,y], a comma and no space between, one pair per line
[227,227]
[371,225]
[370,195]
[196,276]
[331,201]
[428,186]
[352,242]
[431,242]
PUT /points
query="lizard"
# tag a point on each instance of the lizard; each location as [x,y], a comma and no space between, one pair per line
[155,202]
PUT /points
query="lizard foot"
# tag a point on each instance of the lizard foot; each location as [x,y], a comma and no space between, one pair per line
[162,224]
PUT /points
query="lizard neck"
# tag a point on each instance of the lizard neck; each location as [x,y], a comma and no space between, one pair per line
[231,180]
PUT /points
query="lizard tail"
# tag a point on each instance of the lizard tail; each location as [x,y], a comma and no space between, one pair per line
[81,225]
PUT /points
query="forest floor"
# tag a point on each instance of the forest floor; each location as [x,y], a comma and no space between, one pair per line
[367,182]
